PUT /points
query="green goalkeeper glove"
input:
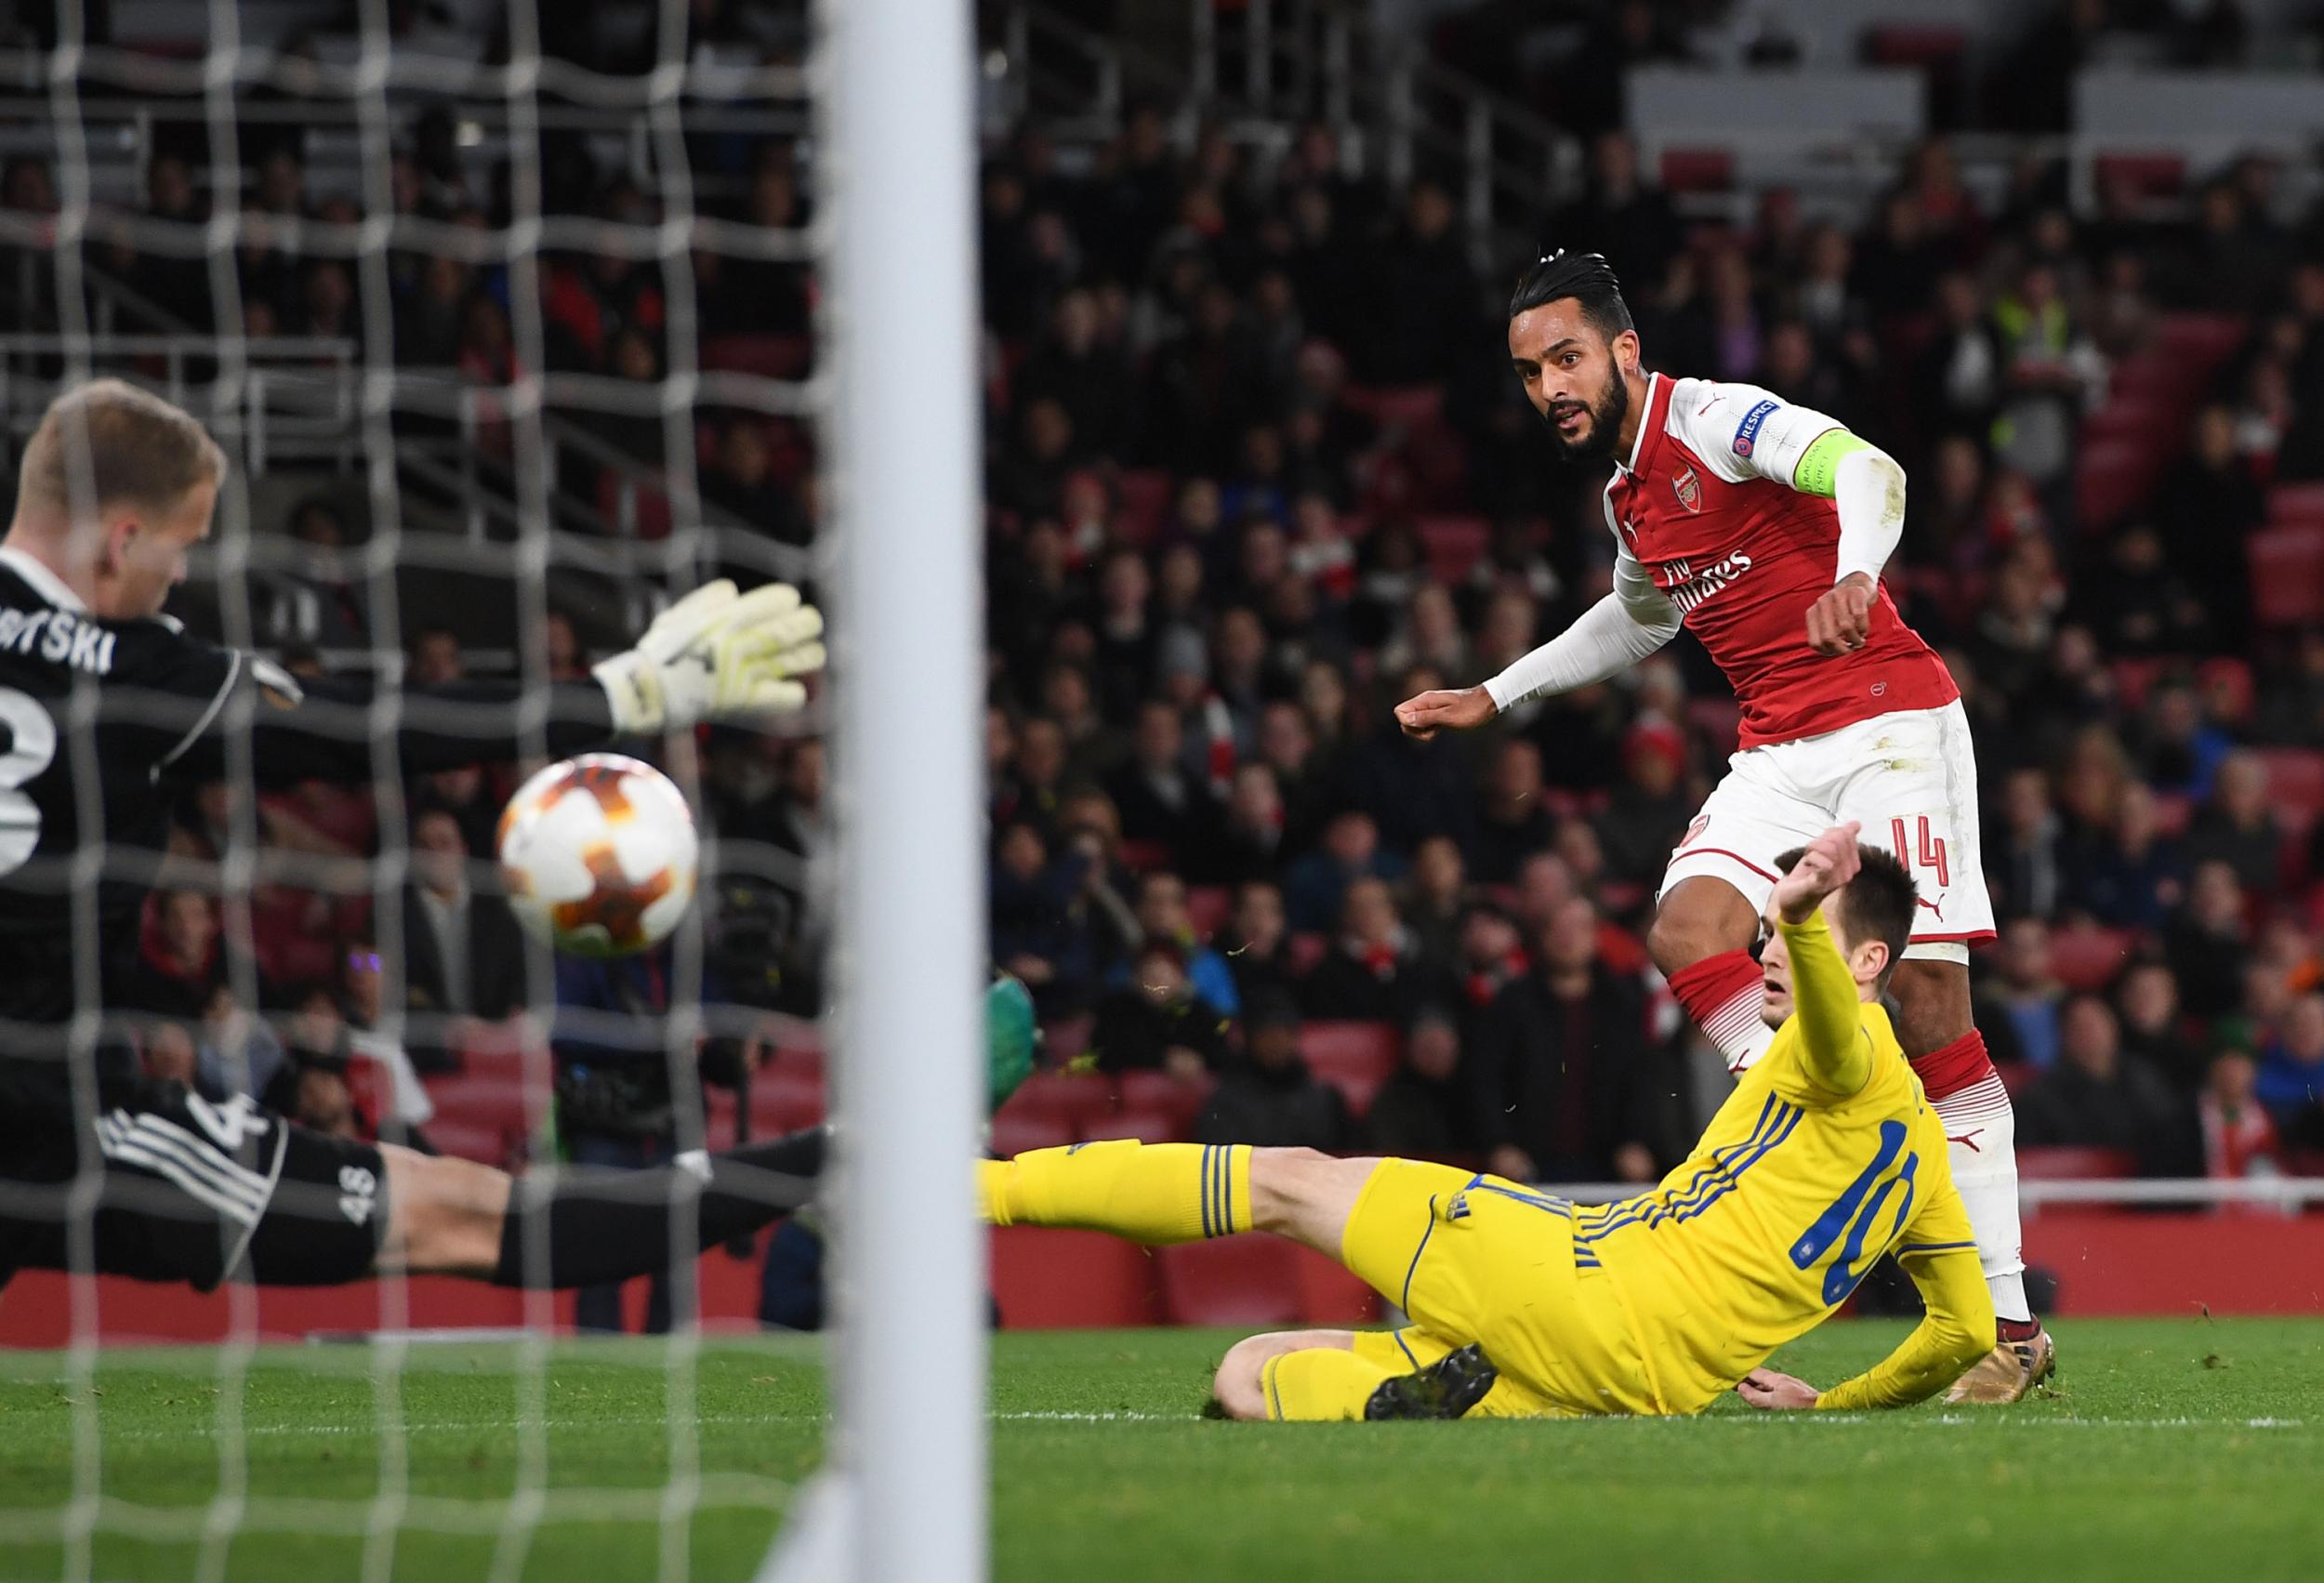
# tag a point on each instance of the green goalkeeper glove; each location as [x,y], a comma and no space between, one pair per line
[716,654]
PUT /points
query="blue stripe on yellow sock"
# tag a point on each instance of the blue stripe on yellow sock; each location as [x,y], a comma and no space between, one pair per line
[1226,1188]
[1205,1195]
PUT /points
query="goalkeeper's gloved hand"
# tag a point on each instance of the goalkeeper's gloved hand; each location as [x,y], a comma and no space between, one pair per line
[716,654]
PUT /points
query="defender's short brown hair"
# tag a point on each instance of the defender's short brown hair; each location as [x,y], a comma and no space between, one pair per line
[110,443]
[1877,905]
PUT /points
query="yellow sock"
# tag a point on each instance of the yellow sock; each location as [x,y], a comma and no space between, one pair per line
[1320,1383]
[1149,1193]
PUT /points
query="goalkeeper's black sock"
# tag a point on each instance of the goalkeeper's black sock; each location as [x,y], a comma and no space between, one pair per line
[603,1225]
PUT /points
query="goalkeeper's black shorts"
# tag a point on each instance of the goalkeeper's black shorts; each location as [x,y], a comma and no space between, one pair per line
[164,1185]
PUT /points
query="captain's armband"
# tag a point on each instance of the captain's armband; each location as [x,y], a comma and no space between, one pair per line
[1818,471]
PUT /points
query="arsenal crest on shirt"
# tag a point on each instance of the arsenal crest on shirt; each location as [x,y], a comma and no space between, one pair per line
[1688,488]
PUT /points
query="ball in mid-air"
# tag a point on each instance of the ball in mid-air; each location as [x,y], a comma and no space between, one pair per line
[599,855]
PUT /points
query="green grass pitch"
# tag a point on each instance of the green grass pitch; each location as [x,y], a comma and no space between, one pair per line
[2177,1449]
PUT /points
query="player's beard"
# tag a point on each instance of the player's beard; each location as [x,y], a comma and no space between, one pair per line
[1606,422]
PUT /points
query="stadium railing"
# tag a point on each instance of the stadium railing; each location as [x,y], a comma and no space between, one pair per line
[2286,1194]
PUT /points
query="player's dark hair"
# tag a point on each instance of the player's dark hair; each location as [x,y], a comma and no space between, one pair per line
[1877,905]
[1585,277]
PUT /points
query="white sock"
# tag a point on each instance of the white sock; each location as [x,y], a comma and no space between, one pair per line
[1742,1034]
[1981,1128]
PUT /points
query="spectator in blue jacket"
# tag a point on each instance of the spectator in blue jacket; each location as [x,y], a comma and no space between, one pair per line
[2291,1075]
[1162,916]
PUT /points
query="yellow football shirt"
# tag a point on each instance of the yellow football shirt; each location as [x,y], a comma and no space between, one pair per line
[1825,1156]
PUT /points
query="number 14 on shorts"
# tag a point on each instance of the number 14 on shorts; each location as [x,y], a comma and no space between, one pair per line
[1930,853]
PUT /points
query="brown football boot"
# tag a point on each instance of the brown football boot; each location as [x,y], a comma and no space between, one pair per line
[2008,1372]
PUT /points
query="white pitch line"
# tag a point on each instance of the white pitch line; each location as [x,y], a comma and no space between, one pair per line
[739,1421]
[657,1420]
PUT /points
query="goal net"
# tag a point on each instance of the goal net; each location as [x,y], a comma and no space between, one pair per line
[517,322]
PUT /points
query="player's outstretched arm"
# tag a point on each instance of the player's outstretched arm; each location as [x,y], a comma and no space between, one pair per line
[1834,1049]
[1611,636]
[1955,1332]
[715,654]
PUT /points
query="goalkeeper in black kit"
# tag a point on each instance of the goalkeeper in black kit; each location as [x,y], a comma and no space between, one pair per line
[108,709]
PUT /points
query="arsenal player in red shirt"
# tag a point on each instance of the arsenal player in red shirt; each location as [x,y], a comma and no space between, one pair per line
[1762,527]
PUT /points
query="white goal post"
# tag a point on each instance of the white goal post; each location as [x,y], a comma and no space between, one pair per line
[902,1493]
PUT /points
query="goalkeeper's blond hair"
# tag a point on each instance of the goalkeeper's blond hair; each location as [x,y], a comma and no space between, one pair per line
[110,443]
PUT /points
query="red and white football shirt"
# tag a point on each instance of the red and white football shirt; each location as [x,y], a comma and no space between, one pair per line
[1705,505]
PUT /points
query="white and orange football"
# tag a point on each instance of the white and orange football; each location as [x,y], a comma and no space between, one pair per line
[598,855]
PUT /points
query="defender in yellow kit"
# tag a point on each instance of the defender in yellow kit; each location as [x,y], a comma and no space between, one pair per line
[1825,1156]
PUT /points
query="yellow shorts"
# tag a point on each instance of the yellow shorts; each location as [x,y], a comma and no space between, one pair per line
[1481,1259]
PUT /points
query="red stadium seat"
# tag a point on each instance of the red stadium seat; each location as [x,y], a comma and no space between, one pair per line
[2064,1162]
[504,1106]
[1145,857]
[2110,478]
[1697,170]
[1159,1094]
[646,508]
[1049,1278]
[1016,1133]
[2204,340]
[1720,721]
[1208,907]
[1328,1294]
[1234,1280]
[1932,45]
[2290,503]
[1142,500]
[2132,677]
[2152,175]
[1080,1102]
[1066,1039]
[2173,813]
[1355,1058]
[2287,575]
[2142,421]
[1307,949]
[481,1142]
[785,1099]
[1454,545]
[1363,1049]
[1411,406]
[2149,377]
[507,1048]
[1147,1126]
[798,1054]
[2088,957]
[2295,784]
[770,357]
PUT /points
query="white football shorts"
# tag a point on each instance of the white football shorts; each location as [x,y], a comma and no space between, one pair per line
[1909,778]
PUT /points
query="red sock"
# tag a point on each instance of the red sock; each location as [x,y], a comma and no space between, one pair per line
[1723,994]
[1958,1065]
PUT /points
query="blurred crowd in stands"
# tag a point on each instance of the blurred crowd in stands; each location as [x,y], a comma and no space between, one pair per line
[1257,470]
[2012,72]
